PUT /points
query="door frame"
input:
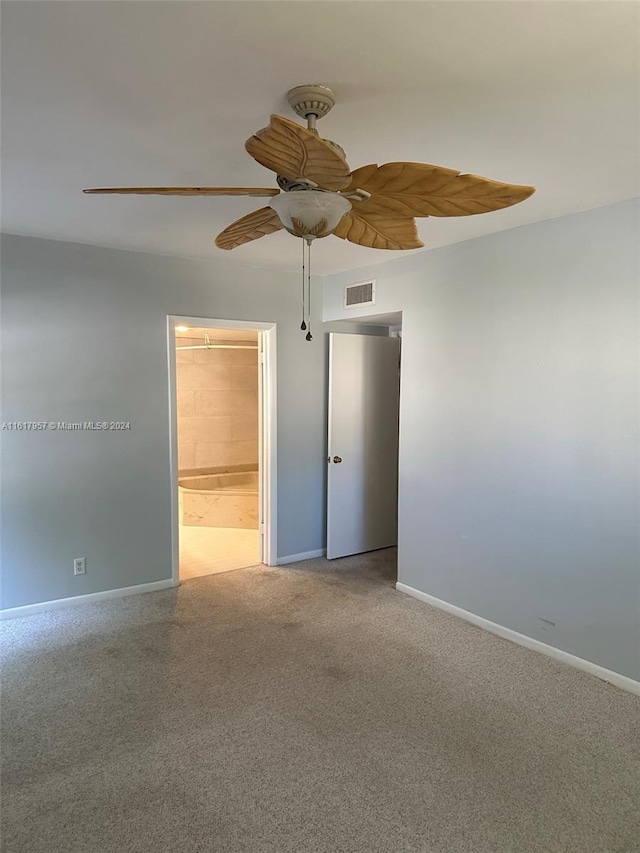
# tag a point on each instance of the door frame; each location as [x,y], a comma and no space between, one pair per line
[267,432]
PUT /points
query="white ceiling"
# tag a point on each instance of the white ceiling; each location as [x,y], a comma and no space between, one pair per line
[166,93]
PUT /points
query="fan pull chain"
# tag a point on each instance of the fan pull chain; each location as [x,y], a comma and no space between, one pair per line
[309,336]
[303,325]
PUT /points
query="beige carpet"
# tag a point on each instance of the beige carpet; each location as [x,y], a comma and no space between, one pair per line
[308,709]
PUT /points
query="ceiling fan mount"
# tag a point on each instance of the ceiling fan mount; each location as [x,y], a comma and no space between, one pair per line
[311,101]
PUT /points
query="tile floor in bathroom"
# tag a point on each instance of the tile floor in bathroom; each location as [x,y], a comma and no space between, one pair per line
[209,550]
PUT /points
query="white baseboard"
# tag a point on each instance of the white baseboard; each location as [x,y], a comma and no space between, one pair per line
[616,678]
[57,604]
[297,558]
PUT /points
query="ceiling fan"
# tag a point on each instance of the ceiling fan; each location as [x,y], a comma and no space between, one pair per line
[319,195]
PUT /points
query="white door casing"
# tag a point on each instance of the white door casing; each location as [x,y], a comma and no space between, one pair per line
[267,431]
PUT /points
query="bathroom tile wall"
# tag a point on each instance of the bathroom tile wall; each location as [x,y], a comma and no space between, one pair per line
[217,394]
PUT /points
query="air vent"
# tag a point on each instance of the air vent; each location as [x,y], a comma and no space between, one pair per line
[362,293]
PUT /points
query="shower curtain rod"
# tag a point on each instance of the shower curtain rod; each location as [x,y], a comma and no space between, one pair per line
[221,346]
[208,345]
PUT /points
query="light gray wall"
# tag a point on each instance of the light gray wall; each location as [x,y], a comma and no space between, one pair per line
[84,339]
[519,428]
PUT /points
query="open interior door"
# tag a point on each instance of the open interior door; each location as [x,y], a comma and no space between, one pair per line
[362,490]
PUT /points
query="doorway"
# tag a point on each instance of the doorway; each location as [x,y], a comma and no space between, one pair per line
[363,437]
[222,419]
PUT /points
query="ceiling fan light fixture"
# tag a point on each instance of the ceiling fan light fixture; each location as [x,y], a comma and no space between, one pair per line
[310,213]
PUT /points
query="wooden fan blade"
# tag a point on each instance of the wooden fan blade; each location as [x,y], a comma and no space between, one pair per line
[294,152]
[419,189]
[251,227]
[255,191]
[379,231]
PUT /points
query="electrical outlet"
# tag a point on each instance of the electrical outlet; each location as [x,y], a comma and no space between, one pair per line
[80,566]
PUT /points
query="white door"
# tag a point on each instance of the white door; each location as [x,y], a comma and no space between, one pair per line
[362,491]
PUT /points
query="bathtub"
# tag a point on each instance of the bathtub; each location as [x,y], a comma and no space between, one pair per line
[223,499]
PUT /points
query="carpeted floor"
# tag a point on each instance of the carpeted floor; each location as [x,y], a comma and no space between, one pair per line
[307,709]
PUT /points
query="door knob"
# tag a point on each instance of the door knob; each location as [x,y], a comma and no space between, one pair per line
[337,459]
